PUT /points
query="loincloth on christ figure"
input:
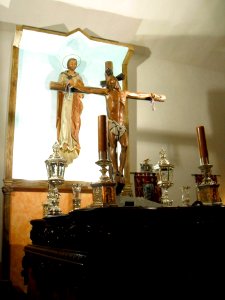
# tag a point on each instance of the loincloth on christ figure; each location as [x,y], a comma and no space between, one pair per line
[117,129]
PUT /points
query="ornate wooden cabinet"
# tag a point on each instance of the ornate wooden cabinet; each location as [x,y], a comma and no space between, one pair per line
[127,252]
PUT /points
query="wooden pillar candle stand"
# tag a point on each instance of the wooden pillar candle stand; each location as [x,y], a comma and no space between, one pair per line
[207,189]
[104,191]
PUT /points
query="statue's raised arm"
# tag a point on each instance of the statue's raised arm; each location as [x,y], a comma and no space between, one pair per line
[146,96]
[77,88]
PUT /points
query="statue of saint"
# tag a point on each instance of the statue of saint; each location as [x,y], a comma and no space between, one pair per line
[69,109]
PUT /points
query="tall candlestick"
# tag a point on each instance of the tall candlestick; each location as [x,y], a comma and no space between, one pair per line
[203,152]
[102,137]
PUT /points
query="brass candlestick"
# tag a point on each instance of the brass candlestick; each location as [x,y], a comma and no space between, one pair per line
[207,190]
[104,191]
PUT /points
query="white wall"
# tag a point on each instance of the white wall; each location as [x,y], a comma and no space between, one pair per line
[194,97]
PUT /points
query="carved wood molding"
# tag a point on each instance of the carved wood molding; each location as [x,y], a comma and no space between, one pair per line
[52,265]
[40,186]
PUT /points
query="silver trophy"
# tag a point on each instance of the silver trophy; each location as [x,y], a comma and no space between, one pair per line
[76,189]
[185,195]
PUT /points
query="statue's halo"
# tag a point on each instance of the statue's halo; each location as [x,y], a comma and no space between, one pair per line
[69,56]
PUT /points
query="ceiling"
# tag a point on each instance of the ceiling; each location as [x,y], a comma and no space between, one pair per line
[182,31]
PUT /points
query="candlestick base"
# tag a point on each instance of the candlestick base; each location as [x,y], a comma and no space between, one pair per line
[207,190]
[104,191]
[165,198]
[51,207]
[208,194]
[104,194]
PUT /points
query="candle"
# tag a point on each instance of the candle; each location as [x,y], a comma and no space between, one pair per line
[203,152]
[102,137]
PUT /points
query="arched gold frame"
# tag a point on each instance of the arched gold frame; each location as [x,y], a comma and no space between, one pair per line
[12,103]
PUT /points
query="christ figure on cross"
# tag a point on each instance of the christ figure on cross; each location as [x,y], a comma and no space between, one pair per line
[116,101]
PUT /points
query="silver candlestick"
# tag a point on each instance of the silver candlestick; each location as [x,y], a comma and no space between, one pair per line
[55,166]
[164,171]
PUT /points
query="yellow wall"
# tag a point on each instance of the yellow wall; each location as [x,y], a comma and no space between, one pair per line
[26,206]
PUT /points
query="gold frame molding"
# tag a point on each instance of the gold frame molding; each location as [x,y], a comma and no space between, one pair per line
[13,90]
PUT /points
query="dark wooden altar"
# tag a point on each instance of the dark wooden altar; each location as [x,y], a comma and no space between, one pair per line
[127,252]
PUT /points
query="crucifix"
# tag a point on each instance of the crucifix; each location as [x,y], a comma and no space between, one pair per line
[116,101]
